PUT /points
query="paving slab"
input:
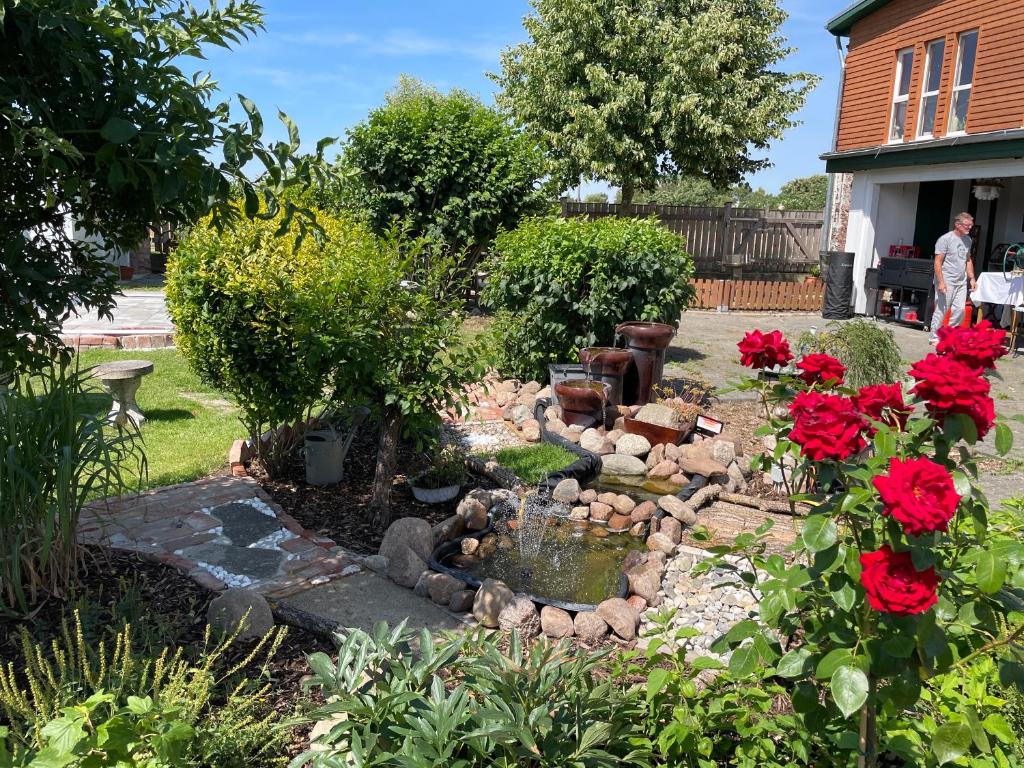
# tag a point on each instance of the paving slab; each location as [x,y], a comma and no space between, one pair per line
[254,564]
[243,524]
[364,599]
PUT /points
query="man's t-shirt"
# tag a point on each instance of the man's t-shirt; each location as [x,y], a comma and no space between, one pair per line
[955,251]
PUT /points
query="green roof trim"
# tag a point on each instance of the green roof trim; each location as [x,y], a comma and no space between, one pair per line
[883,157]
[840,25]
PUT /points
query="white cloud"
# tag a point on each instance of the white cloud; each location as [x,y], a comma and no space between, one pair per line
[397,42]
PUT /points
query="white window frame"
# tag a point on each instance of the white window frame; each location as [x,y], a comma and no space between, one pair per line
[929,54]
[898,98]
[957,87]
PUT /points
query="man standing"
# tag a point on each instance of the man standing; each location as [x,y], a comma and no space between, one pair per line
[953,272]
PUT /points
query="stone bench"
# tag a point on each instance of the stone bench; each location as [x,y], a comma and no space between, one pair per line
[122,380]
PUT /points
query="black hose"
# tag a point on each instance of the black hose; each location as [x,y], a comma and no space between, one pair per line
[584,469]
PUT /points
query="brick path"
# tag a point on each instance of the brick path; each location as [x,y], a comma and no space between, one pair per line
[218,530]
[140,321]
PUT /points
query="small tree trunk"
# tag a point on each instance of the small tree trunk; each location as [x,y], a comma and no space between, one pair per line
[387,457]
[628,191]
[868,730]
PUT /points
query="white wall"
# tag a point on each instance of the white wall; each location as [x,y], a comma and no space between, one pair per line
[897,212]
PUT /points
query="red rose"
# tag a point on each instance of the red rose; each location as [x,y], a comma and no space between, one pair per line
[919,494]
[826,426]
[764,350]
[821,369]
[949,386]
[884,403]
[894,586]
[978,346]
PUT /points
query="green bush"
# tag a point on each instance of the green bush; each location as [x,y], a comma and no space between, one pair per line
[562,284]
[58,452]
[868,350]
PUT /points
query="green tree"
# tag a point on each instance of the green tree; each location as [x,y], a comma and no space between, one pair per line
[104,134]
[444,165]
[684,190]
[630,90]
[805,194]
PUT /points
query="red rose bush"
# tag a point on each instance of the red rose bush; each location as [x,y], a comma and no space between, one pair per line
[977,346]
[883,402]
[764,350]
[821,369]
[826,427]
[893,585]
[919,494]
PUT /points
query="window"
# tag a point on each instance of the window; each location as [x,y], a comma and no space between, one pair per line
[967,48]
[901,93]
[934,53]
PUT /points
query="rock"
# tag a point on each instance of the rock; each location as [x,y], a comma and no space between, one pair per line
[643,512]
[590,628]
[543,392]
[645,581]
[509,385]
[531,431]
[679,479]
[591,440]
[555,623]
[607,497]
[598,531]
[620,616]
[620,464]
[518,415]
[489,601]
[520,614]
[556,427]
[606,447]
[618,523]
[657,557]
[694,460]
[672,451]
[672,528]
[663,470]
[377,563]
[552,412]
[737,483]
[243,610]
[448,529]
[441,587]
[659,542]
[678,509]
[473,512]
[615,434]
[656,456]
[579,429]
[405,566]
[530,387]
[736,440]
[588,496]
[638,603]
[623,504]
[461,601]
[530,401]
[485,497]
[579,513]
[572,437]
[600,512]
[723,451]
[632,559]
[411,532]
[638,530]
[469,546]
[662,415]
[633,445]
[422,588]
[567,491]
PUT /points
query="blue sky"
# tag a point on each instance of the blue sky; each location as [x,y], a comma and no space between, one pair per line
[327,64]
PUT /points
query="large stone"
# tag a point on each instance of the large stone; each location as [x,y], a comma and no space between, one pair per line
[679,479]
[737,483]
[518,415]
[530,387]
[411,532]
[659,542]
[656,456]
[638,529]
[377,564]
[608,497]
[672,528]
[473,512]
[531,431]
[643,512]
[620,464]
[552,412]
[623,504]
[618,523]
[589,627]
[556,427]
[245,611]
[579,513]
[448,529]
[530,401]
[567,491]
[509,385]
[645,580]
[620,616]
[672,451]
[421,588]
[638,603]
[600,512]
[405,566]
[441,587]
[587,496]
[591,440]
[490,601]
[722,451]
[469,545]
[663,470]
[461,601]
[633,445]
[616,433]
[521,615]
[555,623]
[662,415]
[572,437]
[678,508]
[695,460]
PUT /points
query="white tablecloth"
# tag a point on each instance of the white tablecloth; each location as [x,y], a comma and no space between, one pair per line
[993,288]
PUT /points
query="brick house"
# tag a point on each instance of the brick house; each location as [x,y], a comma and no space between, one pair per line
[930,121]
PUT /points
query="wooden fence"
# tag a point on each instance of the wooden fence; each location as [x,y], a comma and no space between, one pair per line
[762,295]
[728,241]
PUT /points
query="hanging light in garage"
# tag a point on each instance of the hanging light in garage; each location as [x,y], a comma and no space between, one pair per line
[987,189]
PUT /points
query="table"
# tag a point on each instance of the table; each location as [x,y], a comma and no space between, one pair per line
[122,380]
[994,288]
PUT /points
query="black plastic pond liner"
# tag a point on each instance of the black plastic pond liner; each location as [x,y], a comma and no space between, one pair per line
[584,469]
[696,483]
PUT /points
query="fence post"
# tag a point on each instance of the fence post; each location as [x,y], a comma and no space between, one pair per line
[726,232]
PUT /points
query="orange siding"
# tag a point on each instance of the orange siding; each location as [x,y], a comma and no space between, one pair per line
[997,98]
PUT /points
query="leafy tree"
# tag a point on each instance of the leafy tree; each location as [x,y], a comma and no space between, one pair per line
[444,165]
[596,197]
[685,190]
[804,194]
[103,133]
[746,196]
[630,91]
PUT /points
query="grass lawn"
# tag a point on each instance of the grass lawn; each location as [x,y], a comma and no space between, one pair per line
[532,463]
[189,427]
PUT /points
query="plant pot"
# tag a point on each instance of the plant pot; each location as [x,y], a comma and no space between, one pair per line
[127,272]
[657,434]
[608,365]
[647,342]
[435,495]
[582,401]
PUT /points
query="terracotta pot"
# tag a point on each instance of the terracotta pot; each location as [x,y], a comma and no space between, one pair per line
[126,272]
[647,342]
[608,365]
[656,434]
[582,401]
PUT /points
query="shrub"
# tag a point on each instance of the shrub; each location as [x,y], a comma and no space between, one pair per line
[447,468]
[868,350]
[58,453]
[563,284]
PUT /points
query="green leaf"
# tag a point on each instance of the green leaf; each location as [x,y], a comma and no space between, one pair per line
[951,741]
[819,532]
[255,119]
[794,664]
[656,681]
[293,130]
[745,661]
[849,689]
[832,661]
[998,726]
[990,572]
[118,130]
[140,705]
[64,732]
[1004,439]
[52,758]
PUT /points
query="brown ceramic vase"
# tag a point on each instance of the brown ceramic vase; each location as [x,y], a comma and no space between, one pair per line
[647,343]
[608,365]
[582,401]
